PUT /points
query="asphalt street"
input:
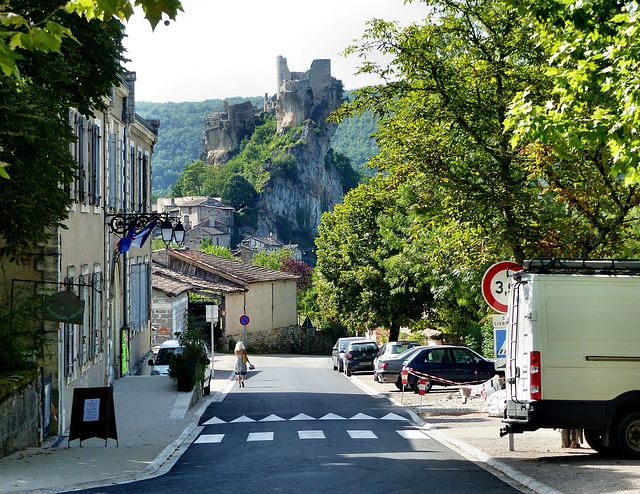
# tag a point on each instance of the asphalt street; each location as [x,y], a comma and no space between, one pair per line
[307,429]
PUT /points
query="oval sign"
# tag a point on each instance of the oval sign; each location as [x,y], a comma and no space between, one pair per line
[495,284]
[244,320]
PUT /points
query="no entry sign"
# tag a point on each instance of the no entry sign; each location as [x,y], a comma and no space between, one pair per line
[495,284]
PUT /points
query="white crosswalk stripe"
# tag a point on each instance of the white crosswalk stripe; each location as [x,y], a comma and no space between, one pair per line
[410,434]
[362,435]
[311,435]
[260,436]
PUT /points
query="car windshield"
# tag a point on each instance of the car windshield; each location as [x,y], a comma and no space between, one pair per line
[362,347]
[396,349]
[165,354]
[344,344]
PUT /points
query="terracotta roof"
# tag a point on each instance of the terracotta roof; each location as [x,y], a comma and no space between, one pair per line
[234,271]
[174,283]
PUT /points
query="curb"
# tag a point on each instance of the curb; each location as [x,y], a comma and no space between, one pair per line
[479,457]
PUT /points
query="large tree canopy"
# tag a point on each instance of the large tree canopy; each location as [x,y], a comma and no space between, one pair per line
[464,196]
[34,128]
[594,71]
[364,280]
[19,31]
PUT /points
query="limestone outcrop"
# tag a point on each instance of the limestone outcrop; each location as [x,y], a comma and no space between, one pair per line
[288,206]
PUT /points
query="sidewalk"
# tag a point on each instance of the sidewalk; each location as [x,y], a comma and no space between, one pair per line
[153,420]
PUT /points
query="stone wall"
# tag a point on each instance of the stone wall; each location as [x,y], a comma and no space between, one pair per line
[288,340]
[21,415]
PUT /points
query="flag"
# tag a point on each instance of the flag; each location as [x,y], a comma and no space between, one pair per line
[140,237]
[125,242]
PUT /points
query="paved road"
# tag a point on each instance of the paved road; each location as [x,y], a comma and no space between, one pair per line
[304,429]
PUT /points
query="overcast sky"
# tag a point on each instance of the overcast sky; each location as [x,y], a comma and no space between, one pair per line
[226,48]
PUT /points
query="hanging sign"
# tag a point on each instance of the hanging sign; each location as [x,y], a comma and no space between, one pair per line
[63,307]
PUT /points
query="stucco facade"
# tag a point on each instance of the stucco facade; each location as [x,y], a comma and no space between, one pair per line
[113,150]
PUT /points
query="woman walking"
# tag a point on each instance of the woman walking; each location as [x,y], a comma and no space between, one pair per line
[241,363]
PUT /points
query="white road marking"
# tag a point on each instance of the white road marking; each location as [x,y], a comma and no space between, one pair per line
[260,436]
[413,434]
[209,438]
[311,435]
[362,435]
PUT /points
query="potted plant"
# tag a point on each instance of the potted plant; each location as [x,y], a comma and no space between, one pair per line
[188,367]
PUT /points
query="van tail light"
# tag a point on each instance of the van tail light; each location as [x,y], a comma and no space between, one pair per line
[535,376]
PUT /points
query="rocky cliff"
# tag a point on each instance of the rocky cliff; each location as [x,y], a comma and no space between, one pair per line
[289,206]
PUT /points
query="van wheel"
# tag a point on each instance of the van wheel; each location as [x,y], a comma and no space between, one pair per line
[628,435]
[594,440]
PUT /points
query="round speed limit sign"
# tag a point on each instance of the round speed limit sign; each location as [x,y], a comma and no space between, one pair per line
[495,284]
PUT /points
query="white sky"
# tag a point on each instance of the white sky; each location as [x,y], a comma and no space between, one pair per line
[226,48]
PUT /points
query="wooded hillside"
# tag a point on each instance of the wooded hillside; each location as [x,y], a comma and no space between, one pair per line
[181,125]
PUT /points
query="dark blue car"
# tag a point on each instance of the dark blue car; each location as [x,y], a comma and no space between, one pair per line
[456,365]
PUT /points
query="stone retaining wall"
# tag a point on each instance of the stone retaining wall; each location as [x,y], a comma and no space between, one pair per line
[20,413]
[288,340]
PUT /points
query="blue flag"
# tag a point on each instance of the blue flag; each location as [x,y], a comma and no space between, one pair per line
[140,237]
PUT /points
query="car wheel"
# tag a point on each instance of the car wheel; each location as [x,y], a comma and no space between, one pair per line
[207,389]
[416,386]
[399,384]
[335,367]
[346,370]
[628,435]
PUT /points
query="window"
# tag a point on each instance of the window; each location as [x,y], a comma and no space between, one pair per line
[140,295]
[93,164]
[69,338]
[112,171]
[80,157]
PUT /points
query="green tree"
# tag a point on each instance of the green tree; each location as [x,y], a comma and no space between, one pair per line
[238,192]
[34,131]
[363,279]
[192,181]
[217,250]
[43,30]
[593,102]
[272,259]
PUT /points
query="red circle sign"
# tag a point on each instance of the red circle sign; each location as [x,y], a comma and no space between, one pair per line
[495,284]
[244,320]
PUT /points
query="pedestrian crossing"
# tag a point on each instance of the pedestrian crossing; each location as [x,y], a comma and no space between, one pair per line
[410,434]
[302,417]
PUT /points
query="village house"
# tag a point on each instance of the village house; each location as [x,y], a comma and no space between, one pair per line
[250,245]
[266,296]
[113,151]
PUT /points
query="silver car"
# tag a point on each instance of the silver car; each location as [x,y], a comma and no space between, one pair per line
[389,368]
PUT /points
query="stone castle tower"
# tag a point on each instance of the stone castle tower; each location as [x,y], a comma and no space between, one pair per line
[288,207]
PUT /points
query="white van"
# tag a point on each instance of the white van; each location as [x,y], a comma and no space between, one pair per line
[573,351]
[161,363]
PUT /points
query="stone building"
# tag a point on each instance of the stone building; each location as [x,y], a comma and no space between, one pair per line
[267,296]
[194,210]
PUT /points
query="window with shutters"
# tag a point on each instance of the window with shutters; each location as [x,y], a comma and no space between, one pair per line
[98,340]
[93,164]
[85,337]
[69,338]
[112,171]
[80,157]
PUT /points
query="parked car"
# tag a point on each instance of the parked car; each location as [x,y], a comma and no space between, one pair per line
[160,366]
[337,354]
[393,348]
[456,364]
[389,369]
[359,356]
